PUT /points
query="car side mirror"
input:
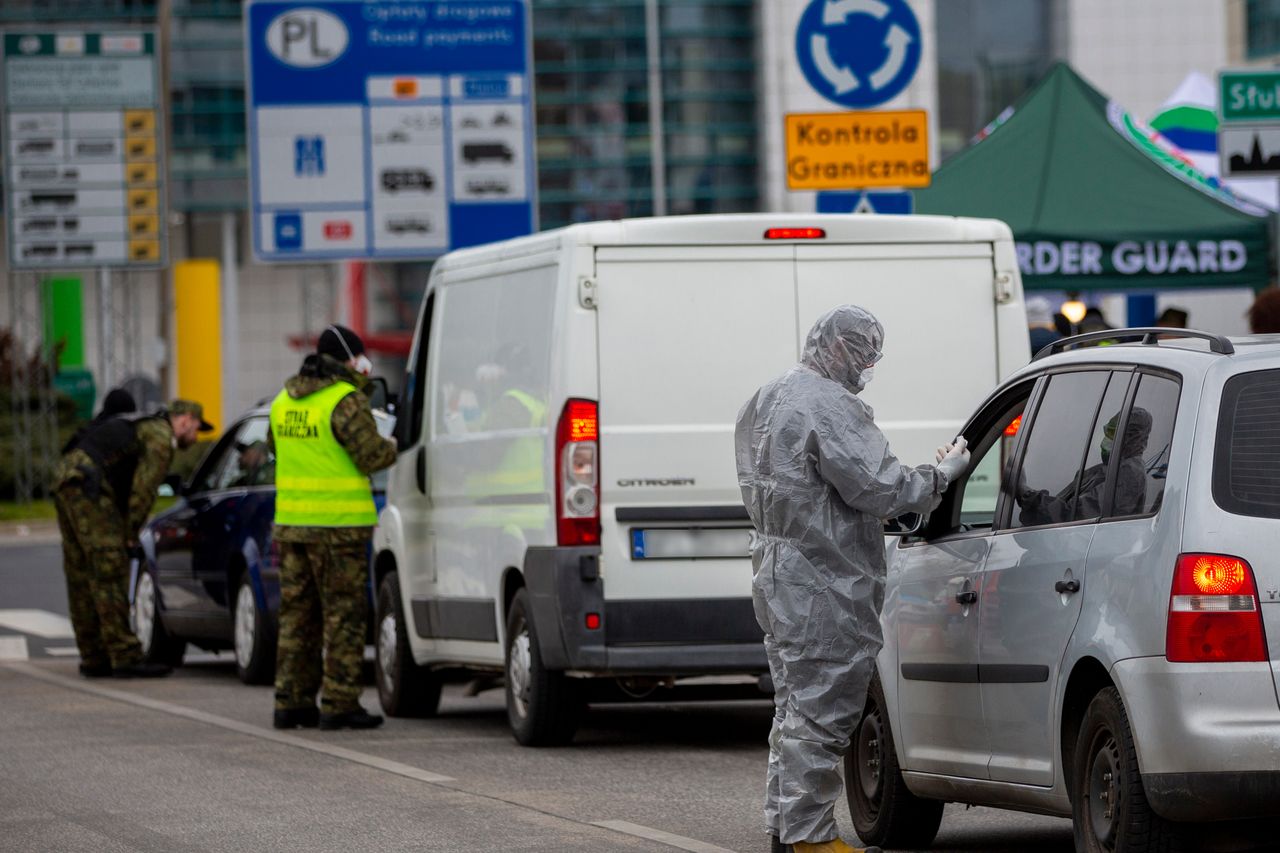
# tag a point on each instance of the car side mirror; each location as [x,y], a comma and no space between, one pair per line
[379,393]
[905,525]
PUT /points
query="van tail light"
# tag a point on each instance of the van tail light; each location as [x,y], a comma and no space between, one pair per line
[795,234]
[1214,613]
[578,474]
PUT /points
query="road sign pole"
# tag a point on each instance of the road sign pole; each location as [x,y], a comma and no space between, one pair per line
[230,315]
[106,331]
[657,138]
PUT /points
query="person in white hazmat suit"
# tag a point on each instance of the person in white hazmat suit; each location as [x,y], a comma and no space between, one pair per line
[818,480]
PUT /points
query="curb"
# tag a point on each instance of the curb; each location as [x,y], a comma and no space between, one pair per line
[22,532]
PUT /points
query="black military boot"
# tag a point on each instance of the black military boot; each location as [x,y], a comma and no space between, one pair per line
[357,719]
[95,670]
[292,718]
[142,670]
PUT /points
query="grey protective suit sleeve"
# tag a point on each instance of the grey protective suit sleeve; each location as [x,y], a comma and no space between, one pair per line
[818,477]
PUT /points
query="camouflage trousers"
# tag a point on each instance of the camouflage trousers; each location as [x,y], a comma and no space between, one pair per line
[322,606]
[96,564]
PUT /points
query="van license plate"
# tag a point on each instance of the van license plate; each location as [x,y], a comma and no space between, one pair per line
[699,543]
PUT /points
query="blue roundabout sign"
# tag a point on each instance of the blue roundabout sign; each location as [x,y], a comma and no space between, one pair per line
[858,53]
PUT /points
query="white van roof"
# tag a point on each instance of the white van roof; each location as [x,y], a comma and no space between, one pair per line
[738,229]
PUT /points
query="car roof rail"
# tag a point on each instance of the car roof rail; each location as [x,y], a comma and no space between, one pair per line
[1149,334]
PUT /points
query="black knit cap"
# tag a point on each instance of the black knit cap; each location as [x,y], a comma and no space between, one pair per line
[118,402]
[339,342]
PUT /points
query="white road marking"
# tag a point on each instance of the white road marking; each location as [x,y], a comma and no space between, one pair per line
[395,767]
[61,651]
[38,623]
[13,648]
[677,841]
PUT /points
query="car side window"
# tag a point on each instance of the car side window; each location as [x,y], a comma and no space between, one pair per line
[981,489]
[248,461]
[1091,493]
[971,502]
[413,401]
[1045,487]
[207,474]
[1144,447]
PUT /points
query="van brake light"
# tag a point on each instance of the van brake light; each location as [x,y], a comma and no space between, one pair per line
[795,234]
[1214,613]
[578,474]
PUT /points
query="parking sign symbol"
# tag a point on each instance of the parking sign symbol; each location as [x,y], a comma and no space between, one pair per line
[288,228]
[308,156]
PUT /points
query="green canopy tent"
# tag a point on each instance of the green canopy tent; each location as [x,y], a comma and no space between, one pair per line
[1099,201]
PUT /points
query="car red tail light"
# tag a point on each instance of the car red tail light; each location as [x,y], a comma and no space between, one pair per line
[578,474]
[1214,613]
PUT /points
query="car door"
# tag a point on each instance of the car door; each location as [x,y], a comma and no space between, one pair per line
[931,610]
[175,543]
[1029,599]
[234,513]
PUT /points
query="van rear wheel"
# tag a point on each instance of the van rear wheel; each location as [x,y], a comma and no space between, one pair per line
[1110,813]
[543,706]
[884,811]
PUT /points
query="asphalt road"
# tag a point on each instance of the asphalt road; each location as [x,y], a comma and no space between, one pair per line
[191,763]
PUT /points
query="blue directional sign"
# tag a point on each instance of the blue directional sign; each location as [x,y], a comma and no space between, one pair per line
[392,130]
[858,53]
[894,201]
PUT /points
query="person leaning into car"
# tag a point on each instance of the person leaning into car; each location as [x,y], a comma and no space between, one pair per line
[326,445]
[104,488]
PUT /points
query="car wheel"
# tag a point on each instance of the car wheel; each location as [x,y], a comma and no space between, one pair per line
[158,645]
[404,688]
[255,641]
[1109,806]
[543,706]
[884,811]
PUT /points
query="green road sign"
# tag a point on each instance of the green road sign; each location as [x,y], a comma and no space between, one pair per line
[1249,96]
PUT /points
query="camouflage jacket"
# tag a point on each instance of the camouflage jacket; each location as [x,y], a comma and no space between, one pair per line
[354,428]
[155,446]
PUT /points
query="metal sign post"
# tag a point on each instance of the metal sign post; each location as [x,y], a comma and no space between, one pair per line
[388,131]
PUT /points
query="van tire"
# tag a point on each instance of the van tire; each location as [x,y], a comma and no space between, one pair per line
[1105,770]
[543,706]
[404,688]
[884,810]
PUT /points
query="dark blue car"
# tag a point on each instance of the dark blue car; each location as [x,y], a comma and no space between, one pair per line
[210,575]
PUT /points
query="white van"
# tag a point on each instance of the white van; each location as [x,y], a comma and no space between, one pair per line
[565,510]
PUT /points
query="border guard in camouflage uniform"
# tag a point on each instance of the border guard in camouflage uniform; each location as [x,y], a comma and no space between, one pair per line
[326,445]
[104,488]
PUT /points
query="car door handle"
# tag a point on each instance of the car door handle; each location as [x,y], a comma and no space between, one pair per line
[1071,586]
[969,596]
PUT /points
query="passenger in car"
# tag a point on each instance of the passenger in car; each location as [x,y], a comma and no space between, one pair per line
[1072,504]
[818,477]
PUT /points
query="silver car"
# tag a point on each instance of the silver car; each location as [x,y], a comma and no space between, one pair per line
[1089,624]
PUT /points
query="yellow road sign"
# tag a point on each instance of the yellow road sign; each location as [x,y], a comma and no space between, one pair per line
[857,150]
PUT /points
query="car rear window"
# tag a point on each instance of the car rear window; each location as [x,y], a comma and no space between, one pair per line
[1246,465]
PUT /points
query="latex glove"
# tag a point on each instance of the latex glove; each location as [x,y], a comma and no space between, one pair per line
[942,452]
[956,460]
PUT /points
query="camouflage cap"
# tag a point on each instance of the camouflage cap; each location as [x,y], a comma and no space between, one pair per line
[190,407]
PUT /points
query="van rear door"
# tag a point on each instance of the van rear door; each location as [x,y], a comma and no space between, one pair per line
[686,335]
[938,306]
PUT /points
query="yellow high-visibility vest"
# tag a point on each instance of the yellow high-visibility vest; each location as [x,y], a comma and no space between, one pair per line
[317,484]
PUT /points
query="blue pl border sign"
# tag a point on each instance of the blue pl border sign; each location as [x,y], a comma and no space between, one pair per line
[858,53]
[393,130]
